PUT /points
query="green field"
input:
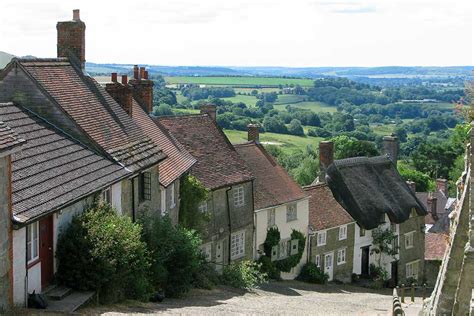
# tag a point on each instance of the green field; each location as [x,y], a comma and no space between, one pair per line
[289,98]
[317,107]
[287,142]
[239,81]
[249,100]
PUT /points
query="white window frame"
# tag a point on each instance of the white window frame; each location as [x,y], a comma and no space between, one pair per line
[163,201]
[291,213]
[237,245]
[173,198]
[321,238]
[271,217]
[342,232]
[410,268]
[239,198]
[33,243]
[409,240]
[317,261]
[203,207]
[106,195]
[341,256]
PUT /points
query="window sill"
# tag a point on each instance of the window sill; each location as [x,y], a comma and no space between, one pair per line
[33,263]
[320,245]
[409,247]
[341,263]
[343,238]
[291,220]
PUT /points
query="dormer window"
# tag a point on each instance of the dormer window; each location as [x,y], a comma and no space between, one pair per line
[239,196]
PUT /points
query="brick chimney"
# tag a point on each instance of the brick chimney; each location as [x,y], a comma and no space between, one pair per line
[412,186]
[432,206]
[390,147]
[142,88]
[121,92]
[326,157]
[72,38]
[209,109]
[442,186]
[253,133]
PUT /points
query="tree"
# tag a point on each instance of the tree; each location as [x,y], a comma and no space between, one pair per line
[162,110]
[346,147]
[295,128]
[274,125]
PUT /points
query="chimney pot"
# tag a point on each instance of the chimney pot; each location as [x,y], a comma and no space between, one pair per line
[145,75]
[326,158]
[390,147]
[442,185]
[209,109]
[253,133]
[114,77]
[124,79]
[76,15]
[142,72]
[135,72]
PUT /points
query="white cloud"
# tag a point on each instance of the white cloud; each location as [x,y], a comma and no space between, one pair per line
[250,32]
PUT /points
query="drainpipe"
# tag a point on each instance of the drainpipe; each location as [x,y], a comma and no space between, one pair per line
[133,199]
[230,222]
[311,234]
[254,224]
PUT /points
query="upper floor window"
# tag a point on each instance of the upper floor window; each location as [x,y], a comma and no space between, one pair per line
[342,232]
[361,232]
[173,198]
[413,212]
[106,196]
[271,217]
[32,242]
[239,197]
[409,240]
[321,238]
[203,207]
[237,244]
[145,186]
[291,213]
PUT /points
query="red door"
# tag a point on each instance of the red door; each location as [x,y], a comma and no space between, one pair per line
[46,252]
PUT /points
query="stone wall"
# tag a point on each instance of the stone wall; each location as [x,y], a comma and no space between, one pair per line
[414,224]
[5,235]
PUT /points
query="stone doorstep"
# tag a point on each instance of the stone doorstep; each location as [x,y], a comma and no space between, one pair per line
[57,293]
[70,303]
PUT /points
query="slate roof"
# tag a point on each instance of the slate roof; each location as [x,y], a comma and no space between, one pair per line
[273,186]
[94,110]
[178,160]
[368,188]
[435,246]
[218,164]
[324,211]
[52,170]
[8,137]
[442,205]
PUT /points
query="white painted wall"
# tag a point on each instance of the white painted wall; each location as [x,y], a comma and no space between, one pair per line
[301,224]
[117,197]
[19,266]
[34,278]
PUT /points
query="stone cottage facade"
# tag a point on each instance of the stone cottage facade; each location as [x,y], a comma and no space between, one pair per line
[278,200]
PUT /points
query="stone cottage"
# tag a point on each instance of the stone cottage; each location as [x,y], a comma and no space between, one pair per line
[278,201]
[229,235]
[10,143]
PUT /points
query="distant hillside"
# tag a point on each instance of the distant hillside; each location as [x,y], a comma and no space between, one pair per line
[5,59]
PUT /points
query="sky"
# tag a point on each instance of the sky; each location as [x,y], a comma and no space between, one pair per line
[296,33]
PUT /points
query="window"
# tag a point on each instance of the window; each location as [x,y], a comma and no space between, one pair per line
[342,232]
[145,186]
[106,196]
[321,238]
[239,197]
[291,213]
[203,207]
[294,246]
[163,201]
[271,218]
[409,240]
[412,269]
[173,199]
[361,232]
[283,251]
[317,260]
[237,245]
[341,256]
[206,251]
[32,242]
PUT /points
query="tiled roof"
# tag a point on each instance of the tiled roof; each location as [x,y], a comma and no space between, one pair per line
[324,211]
[52,169]
[178,160]
[218,164]
[435,246]
[95,111]
[273,186]
[8,137]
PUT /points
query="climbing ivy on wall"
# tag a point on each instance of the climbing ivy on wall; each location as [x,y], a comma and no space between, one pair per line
[192,194]
[273,239]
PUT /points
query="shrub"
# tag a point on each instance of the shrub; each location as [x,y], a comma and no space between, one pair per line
[267,267]
[205,277]
[245,274]
[103,252]
[176,255]
[312,274]
[378,273]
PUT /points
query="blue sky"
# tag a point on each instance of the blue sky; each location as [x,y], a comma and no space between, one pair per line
[292,33]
